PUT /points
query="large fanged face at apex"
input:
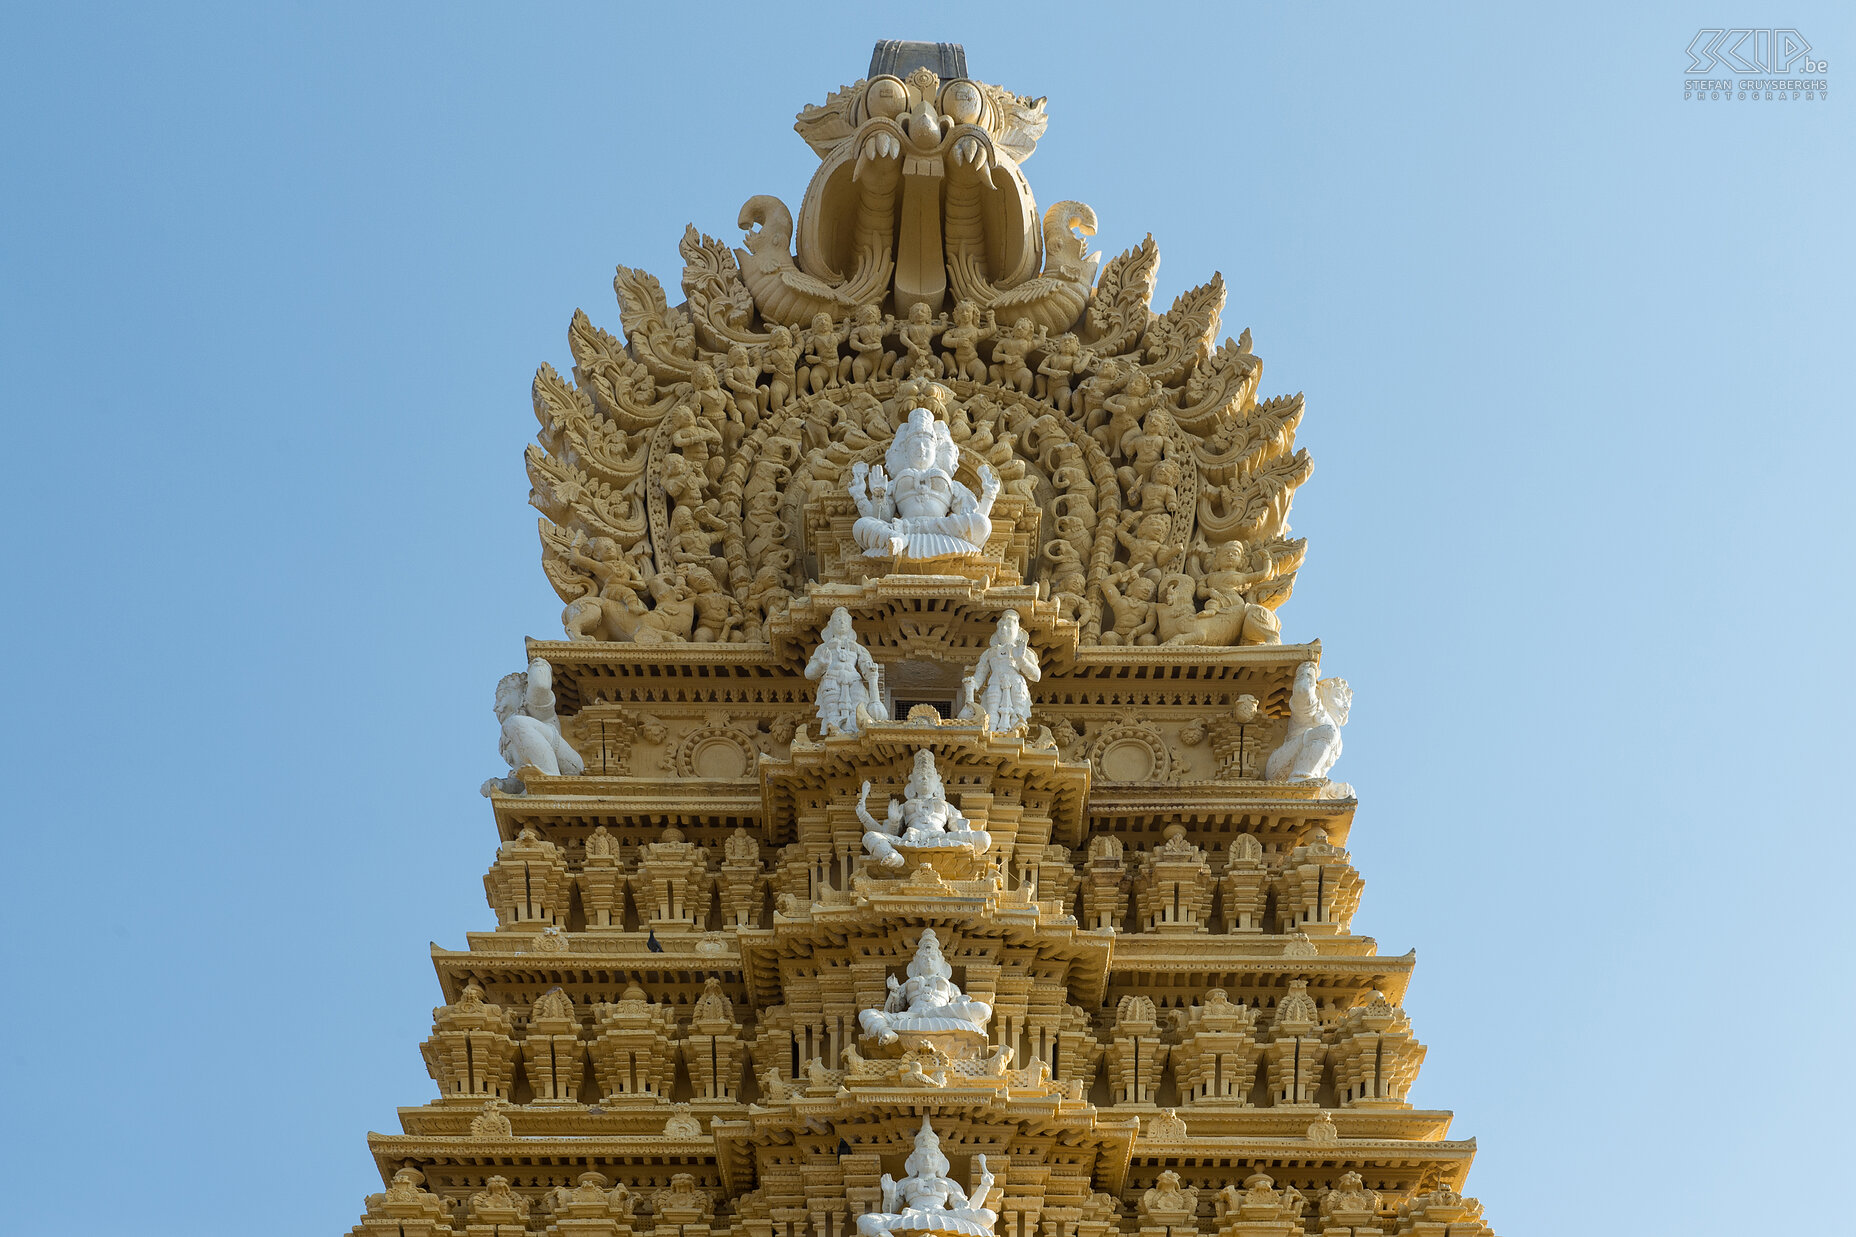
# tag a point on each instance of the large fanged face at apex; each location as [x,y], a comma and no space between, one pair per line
[892,149]
[923,107]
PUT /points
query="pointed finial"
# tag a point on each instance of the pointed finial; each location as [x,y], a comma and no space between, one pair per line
[900,57]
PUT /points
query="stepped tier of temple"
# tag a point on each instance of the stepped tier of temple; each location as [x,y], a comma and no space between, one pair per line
[922,826]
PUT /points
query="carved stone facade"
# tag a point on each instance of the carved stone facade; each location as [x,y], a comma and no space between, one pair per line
[1092,971]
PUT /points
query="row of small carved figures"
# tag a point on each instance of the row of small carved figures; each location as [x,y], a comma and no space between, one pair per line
[1214,1033]
[1342,1204]
[972,347]
[542,869]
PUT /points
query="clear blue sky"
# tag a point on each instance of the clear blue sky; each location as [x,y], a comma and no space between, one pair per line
[1577,357]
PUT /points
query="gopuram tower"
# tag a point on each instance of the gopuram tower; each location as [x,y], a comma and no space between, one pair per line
[923,827]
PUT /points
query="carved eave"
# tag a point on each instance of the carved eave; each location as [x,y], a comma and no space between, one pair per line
[636,809]
[451,1119]
[600,966]
[869,932]
[1275,812]
[1196,675]
[543,1163]
[956,1111]
[1242,947]
[1212,1119]
[899,617]
[1212,1162]
[1026,1134]
[745,674]
[1175,970]
[587,670]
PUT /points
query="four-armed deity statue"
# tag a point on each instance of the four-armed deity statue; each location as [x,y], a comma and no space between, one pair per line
[910,506]
[928,1007]
[846,676]
[1000,685]
[922,819]
[928,1201]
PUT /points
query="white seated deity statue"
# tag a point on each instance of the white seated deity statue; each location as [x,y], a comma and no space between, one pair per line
[846,676]
[928,1006]
[1317,711]
[911,507]
[531,733]
[923,819]
[928,1201]
[1000,685]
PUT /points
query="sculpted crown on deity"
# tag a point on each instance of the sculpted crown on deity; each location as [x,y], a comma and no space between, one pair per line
[930,1201]
[922,820]
[910,505]
[928,1007]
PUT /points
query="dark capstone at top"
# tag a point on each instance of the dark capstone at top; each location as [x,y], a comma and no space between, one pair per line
[901,58]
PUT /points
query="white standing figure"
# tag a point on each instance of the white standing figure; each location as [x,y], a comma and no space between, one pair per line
[928,1003]
[846,676]
[930,1201]
[922,819]
[531,733]
[1001,680]
[910,506]
[1317,711]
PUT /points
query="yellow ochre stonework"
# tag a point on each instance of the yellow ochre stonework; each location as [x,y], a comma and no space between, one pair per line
[922,828]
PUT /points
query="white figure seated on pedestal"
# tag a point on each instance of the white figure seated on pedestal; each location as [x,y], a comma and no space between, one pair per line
[929,1003]
[928,1200]
[916,509]
[1000,684]
[923,819]
[846,676]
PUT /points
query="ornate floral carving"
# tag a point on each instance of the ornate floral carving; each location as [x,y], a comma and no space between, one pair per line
[492,1122]
[681,1124]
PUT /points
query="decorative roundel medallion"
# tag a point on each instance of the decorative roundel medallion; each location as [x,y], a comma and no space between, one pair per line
[1130,752]
[718,753]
